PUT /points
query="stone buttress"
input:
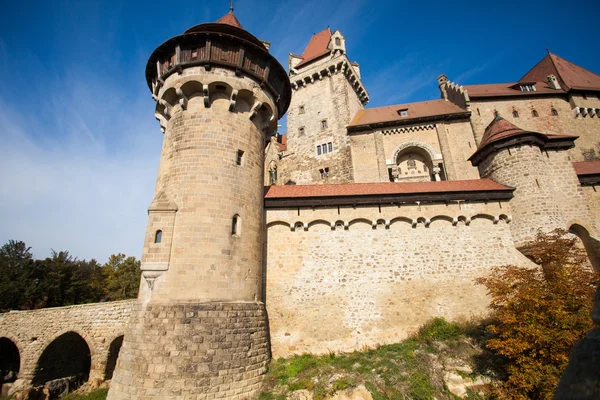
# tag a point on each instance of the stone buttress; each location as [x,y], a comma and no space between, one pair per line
[198,329]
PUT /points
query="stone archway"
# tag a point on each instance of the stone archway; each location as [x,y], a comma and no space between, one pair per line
[590,243]
[415,162]
[113,355]
[67,356]
[10,363]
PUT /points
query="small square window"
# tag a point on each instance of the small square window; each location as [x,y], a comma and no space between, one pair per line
[239,158]
[554,112]
[584,96]
[403,112]
[324,124]
[330,147]
[301,131]
[301,110]
[534,113]
[515,114]
[324,173]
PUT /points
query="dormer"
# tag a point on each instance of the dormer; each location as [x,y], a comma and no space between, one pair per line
[337,43]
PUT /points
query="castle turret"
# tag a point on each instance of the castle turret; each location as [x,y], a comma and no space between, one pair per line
[199,324]
[547,194]
[327,93]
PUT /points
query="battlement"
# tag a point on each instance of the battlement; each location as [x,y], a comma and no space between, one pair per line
[453,92]
[327,67]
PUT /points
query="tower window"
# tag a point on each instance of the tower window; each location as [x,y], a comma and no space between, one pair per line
[239,157]
[301,131]
[158,236]
[534,113]
[554,112]
[301,110]
[515,114]
[338,41]
[235,225]
[324,124]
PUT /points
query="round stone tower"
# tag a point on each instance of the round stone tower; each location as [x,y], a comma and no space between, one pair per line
[199,326]
[547,194]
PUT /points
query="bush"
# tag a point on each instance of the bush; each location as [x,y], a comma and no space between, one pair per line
[540,314]
[440,329]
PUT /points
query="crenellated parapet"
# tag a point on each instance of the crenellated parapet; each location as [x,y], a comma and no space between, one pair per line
[337,65]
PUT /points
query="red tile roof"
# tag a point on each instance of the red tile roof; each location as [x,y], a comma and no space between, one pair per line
[383,188]
[316,48]
[415,110]
[508,89]
[569,75]
[587,167]
[230,19]
[500,129]
[282,142]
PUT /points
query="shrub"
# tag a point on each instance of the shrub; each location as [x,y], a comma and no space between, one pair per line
[440,329]
[540,314]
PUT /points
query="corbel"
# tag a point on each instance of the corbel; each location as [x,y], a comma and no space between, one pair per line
[166,105]
[233,99]
[183,100]
[206,93]
[255,108]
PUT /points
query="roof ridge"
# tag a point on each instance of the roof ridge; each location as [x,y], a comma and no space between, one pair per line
[556,68]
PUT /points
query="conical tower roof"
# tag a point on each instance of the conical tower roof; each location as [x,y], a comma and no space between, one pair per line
[500,129]
[230,19]
[501,133]
[569,75]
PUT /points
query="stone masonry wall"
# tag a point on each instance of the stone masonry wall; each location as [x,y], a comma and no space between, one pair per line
[329,98]
[587,128]
[380,273]
[547,194]
[188,350]
[33,331]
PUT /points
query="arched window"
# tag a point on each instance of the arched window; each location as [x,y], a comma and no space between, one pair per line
[338,41]
[158,236]
[515,114]
[554,112]
[235,225]
[534,113]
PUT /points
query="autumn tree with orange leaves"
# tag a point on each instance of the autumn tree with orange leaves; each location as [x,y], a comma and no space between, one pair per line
[540,314]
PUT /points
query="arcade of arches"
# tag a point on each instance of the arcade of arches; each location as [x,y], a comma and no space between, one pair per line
[55,350]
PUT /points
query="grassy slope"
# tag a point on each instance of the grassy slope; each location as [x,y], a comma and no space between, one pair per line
[412,369]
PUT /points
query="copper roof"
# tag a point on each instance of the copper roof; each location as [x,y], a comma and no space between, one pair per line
[587,167]
[230,19]
[421,109]
[569,75]
[382,188]
[316,48]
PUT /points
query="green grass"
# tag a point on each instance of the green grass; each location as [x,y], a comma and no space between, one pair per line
[99,394]
[395,371]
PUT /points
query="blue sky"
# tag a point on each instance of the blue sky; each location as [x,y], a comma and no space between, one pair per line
[79,144]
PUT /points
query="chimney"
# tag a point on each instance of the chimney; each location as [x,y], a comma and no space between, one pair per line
[553,82]
[442,83]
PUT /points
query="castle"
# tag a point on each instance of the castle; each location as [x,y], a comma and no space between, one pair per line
[372,221]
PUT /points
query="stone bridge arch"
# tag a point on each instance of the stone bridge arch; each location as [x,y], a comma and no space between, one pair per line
[33,332]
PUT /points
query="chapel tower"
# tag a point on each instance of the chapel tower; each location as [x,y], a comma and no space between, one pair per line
[327,93]
[199,324]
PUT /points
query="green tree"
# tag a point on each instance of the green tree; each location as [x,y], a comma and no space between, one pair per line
[123,277]
[541,313]
[15,262]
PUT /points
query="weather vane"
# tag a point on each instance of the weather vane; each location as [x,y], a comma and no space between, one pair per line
[231,6]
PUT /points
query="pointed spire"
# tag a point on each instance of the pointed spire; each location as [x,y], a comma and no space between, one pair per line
[548,50]
[230,18]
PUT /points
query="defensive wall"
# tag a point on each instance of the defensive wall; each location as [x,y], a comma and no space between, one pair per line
[55,343]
